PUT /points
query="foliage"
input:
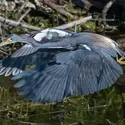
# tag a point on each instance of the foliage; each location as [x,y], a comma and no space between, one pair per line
[102,108]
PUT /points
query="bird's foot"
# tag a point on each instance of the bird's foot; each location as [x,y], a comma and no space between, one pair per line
[120,60]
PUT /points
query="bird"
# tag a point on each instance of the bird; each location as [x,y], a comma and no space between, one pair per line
[62,63]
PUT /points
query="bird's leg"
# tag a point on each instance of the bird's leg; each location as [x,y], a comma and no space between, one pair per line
[120,60]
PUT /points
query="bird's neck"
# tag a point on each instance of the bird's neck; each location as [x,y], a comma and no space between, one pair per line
[29,40]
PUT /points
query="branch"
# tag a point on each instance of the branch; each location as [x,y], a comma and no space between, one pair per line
[15,24]
[106,8]
[58,8]
[65,26]
[2,51]
[87,4]
[24,15]
[28,5]
[77,22]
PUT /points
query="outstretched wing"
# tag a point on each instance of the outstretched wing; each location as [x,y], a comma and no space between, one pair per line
[25,58]
[74,73]
[24,51]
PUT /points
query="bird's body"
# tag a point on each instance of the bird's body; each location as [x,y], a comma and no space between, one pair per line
[63,64]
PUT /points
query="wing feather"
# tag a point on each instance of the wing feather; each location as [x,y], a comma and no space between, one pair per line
[74,73]
[25,50]
[16,65]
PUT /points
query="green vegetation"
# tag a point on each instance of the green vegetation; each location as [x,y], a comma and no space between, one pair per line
[103,108]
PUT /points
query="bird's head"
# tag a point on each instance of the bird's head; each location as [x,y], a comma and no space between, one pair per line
[12,38]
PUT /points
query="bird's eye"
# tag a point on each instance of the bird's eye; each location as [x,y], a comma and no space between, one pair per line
[9,40]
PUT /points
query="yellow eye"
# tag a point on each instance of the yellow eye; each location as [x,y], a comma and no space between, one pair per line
[9,40]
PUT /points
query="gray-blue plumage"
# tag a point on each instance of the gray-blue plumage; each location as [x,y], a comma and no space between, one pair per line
[84,72]
[66,64]
[15,65]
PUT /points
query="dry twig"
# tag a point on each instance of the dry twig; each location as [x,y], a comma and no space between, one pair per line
[65,26]
[77,22]
[105,10]
[15,24]
[58,8]
[24,15]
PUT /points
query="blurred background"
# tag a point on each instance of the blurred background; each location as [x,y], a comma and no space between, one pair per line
[106,107]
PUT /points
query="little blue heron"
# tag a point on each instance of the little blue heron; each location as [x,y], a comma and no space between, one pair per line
[62,64]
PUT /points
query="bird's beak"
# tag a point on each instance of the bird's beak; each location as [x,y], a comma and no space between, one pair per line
[9,41]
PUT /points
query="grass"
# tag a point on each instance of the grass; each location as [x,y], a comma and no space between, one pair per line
[103,108]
